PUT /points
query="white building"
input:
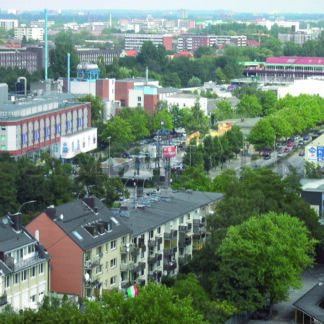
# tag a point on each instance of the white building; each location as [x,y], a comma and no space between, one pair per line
[183,100]
[35,33]
[8,23]
[310,86]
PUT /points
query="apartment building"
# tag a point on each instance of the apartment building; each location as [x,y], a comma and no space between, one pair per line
[191,42]
[135,41]
[85,240]
[57,124]
[115,248]
[8,24]
[35,33]
[168,228]
[94,54]
[24,272]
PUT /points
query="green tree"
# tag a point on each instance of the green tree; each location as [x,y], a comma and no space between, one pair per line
[194,82]
[249,106]
[58,60]
[97,109]
[270,251]
[312,170]
[262,134]
[196,120]
[204,50]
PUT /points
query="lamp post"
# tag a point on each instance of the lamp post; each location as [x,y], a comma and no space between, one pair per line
[109,137]
[25,203]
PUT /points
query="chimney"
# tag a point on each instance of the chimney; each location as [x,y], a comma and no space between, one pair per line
[89,201]
[17,221]
[51,212]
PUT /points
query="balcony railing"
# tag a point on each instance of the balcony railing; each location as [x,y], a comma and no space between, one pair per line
[151,258]
[189,227]
[21,264]
[3,300]
[126,266]
[89,264]
[151,243]
[90,283]
[123,249]
[170,265]
[125,284]
[182,244]
[134,250]
[182,228]
[142,265]
[167,236]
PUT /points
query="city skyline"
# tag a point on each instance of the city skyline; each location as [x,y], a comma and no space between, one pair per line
[253,6]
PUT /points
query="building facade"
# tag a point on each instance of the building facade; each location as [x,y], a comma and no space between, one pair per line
[88,254]
[94,54]
[135,41]
[115,248]
[35,33]
[8,24]
[24,272]
[21,58]
[286,68]
[188,42]
[57,124]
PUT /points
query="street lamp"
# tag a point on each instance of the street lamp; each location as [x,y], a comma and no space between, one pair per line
[109,137]
[25,203]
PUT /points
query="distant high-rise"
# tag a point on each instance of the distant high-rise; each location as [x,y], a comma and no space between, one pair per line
[183,14]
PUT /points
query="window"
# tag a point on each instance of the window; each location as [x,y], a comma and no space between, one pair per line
[188,217]
[24,140]
[124,240]
[113,280]
[99,250]
[151,234]
[46,132]
[106,247]
[99,269]
[57,129]
[7,282]
[33,298]
[113,245]
[24,275]
[159,230]
[68,126]
[139,98]
[35,135]
[33,272]
[16,279]
[31,249]
[3,127]
[41,268]
[113,263]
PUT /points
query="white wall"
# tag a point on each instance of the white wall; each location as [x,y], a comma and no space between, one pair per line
[307,86]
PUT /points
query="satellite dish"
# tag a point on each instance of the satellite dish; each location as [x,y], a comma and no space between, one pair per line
[61,217]
[165,273]
[87,276]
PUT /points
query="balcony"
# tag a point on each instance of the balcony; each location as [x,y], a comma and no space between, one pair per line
[134,250]
[151,258]
[182,244]
[3,300]
[125,284]
[151,243]
[22,264]
[159,240]
[169,266]
[142,265]
[189,227]
[90,264]
[182,228]
[167,252]
[127,266]
[91,283]
[167,236]
[123,249]
[158,256]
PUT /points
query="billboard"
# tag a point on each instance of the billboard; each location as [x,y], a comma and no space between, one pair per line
[315,153]
[168,151]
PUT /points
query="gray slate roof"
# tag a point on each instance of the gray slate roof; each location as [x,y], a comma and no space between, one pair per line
[309,303]
[76,214]
[170,206]
[10,239]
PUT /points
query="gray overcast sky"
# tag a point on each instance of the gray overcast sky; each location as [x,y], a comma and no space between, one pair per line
[299,6]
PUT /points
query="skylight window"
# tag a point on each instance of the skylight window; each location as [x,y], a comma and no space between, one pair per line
[77,235]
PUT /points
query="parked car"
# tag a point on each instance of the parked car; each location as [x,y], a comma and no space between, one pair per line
[267,157]
[297,137]
[290,144]
[265,153]
[286,150]
[306,137]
